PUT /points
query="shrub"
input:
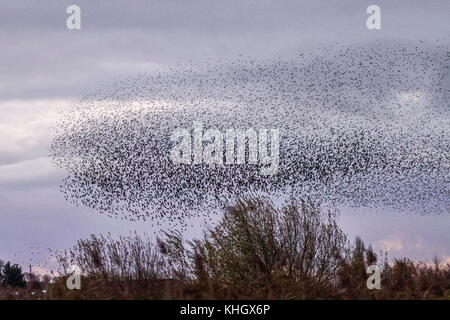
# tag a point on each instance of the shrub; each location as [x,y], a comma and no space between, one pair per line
[255,251]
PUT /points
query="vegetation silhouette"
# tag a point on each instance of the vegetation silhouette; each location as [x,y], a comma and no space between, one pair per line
[257,251]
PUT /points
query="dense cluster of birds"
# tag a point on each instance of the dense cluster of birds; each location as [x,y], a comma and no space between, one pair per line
[359,125]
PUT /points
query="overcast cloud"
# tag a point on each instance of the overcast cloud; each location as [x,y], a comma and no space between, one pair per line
[44,68]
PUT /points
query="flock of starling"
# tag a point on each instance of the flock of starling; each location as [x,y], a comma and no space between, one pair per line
[359,126]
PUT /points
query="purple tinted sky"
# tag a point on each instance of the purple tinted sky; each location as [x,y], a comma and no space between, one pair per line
[45,67]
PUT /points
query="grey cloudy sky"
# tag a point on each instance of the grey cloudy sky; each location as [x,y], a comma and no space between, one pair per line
[44,68]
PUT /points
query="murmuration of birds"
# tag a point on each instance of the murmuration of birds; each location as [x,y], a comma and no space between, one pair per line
[360,126]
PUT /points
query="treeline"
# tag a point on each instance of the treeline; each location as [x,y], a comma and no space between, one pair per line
[16,284]
[11,275]
[257,251]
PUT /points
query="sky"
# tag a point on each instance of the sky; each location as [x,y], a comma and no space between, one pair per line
[45,68]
